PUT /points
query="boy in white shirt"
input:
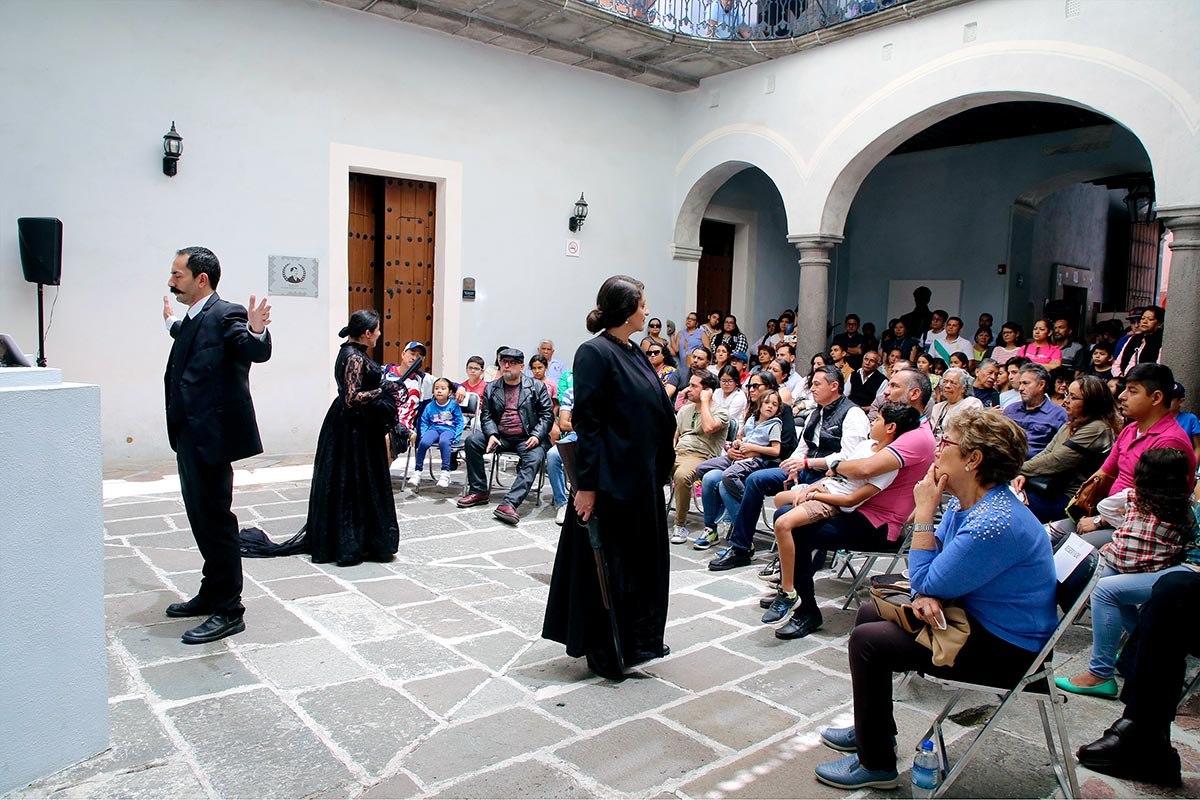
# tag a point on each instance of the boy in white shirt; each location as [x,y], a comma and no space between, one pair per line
[831,495]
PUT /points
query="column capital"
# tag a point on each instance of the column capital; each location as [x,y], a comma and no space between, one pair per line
[1184,224]
[1172,213]
[683,252]
[814,241]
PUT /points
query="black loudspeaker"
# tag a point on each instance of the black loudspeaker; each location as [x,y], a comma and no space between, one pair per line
[41,249]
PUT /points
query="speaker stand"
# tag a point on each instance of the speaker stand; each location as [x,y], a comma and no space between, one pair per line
[41,356]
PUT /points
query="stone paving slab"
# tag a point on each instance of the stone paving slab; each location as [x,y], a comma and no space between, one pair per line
[427,676]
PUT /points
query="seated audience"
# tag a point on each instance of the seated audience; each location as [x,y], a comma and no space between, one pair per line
[1144,346]
[1041,350]
[474,382]
[952,342]
[1012,340]
[699,358]
[701,428]
[658,360]
[756,446]
[983,345]
[838,359]
[731,336]
[515,416]
[691,337]
[1008,378]
[787,352]
[955,386]
[937,329]
[984,387]
[1074,354]
[731,395]
[851,341]
[925,363]
[1157,529]
[554,366]
[1102,361]
[1138,745]
[771,338]
[538,364]
[766,354]
[867,382]
[441,424]
[802,399]
[721,356]
[741,362]
[1051,478]
[1035,413]
[898,338]
[960,361]
[835,428]
[811,503]
[654,336]
[876,523]
[1145,403]
[1060,379]
[782,370]
[554,465]
[896,368]
[990,556]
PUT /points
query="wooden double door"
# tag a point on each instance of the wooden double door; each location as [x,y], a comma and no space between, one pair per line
[391,233]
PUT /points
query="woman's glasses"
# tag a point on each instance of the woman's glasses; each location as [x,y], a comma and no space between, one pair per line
[653,325]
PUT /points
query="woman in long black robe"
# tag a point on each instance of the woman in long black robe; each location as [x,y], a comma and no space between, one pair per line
[624,456]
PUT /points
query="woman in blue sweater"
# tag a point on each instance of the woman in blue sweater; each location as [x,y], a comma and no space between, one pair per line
[990,556]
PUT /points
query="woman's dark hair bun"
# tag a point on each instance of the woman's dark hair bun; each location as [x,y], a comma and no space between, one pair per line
[361,321]
[344,332]
[619,297]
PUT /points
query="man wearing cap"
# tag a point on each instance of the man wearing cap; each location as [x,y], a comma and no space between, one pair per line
[417,388]
[515,417]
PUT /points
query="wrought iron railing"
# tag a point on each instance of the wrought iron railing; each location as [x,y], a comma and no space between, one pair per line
[743,19]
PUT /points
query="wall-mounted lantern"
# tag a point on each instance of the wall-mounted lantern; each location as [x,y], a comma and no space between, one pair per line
[575,221]
[172,150]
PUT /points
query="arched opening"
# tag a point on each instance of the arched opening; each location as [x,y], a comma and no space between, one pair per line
[1010,207]
[731,235]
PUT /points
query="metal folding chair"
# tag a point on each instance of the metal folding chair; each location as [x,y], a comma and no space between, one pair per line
[1037,684]
[859,576]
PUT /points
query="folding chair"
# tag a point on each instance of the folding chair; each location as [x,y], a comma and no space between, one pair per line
[859,576]
[1037,684]
[494,479]
[470,412]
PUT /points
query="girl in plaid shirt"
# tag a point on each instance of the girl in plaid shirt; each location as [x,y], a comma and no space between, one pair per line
[1159,528]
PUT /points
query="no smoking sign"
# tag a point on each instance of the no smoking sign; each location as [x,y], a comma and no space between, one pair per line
[572,248]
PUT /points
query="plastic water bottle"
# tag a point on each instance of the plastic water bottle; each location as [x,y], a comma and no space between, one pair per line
[925,770]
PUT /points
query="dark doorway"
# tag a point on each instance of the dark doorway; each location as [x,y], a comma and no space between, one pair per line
[715,285]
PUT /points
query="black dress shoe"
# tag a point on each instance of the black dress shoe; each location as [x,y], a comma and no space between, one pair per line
[731,558]
[1127,750]
[218,626]
[605,666]
[800,625]
[192,608]
[647,655]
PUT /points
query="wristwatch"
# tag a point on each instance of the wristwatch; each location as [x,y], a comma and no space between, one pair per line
[833,465]
[920,527]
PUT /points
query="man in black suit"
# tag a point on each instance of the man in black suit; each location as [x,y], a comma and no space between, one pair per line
[211,424]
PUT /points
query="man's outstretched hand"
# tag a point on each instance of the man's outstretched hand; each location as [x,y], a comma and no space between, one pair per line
[166,307]
[259,316]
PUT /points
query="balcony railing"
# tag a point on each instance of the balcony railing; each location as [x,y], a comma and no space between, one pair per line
[743,20]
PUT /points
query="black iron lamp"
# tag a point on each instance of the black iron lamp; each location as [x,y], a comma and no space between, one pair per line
[1140,202]
[575,221]
[172,150]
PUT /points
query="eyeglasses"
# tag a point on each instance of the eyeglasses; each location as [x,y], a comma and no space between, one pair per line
[758,385]
[944,443]
[652,325]
[474,368]
[731,381]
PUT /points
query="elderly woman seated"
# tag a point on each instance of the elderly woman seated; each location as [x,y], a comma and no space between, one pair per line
[1052,477]
[990,556]
[956,388]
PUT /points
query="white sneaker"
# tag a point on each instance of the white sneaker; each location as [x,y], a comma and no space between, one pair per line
[444,480]
[723,528]
[414,478]
[680,535]
[560,516]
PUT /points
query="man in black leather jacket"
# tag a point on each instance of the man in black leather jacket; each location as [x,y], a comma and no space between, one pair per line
[515,416]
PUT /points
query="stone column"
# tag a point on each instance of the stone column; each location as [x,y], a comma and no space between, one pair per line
[812,314]
[690,256]
[1182,332]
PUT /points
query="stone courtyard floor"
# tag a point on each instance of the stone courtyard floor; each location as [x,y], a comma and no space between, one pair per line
[427,677]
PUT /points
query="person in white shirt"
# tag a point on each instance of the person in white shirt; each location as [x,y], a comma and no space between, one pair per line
[731,395]
[937,330]
[951,343]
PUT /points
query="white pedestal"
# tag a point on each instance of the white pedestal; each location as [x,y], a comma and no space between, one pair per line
[53,665]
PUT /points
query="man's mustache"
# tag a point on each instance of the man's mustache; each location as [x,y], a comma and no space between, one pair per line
[173,290]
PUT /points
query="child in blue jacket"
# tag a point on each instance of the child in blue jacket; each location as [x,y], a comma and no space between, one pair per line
[441,424]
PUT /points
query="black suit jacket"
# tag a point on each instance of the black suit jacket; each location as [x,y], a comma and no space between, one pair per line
[625,422]
[208,383]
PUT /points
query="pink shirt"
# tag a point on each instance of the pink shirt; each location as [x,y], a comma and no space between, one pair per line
[915,451]
[1041,353]
[1130,446]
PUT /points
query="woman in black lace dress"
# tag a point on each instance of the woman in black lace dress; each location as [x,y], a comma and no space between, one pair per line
[351,513]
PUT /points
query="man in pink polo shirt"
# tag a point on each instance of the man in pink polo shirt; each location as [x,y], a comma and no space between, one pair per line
[1146,401]
[876,524]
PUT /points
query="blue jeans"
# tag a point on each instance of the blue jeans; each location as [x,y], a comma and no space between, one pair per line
[758,486]
[554,471]
[710,495]
[1115,602]
[442,437]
